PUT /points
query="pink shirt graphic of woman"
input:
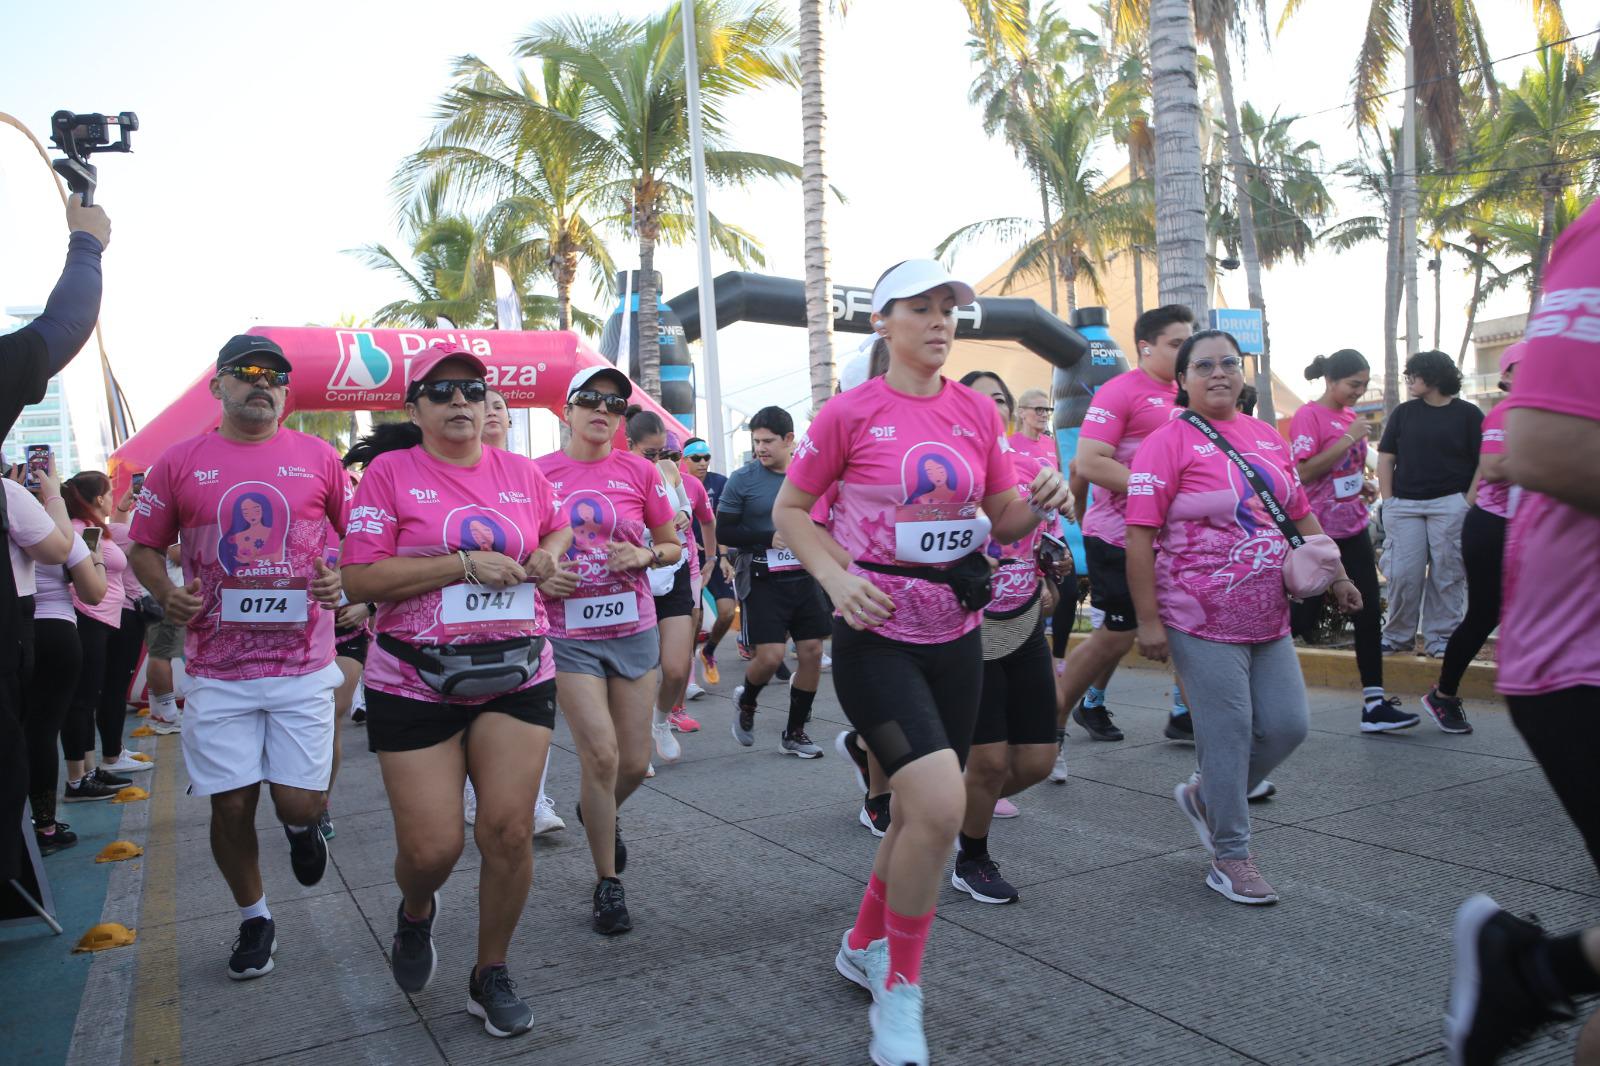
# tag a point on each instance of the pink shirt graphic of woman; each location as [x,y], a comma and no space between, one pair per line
[249,533]
[937,482]
[482,534]
[590,530]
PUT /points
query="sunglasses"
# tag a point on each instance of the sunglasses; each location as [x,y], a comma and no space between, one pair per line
[698,458]
[593,400]
[279,378]
[473,390]
[1230,364]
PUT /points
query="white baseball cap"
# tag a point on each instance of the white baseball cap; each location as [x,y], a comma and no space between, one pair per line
[589,373]
[915,277]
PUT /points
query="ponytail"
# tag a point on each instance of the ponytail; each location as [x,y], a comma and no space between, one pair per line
[385,437]
[1344,363]
[80,491]
[642,423]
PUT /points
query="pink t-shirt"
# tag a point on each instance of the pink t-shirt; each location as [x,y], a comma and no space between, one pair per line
[700,508]
[1219,557]
[1043,449]
[53,596]
[621,497]
[109,609]
[1125,411]
[411,505]
[28,523]
[1552,560]
[1336,495]
[248,516]
[913,472]
[1496,497]
[1017,577]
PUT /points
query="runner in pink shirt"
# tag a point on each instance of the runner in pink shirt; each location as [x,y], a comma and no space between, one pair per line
[450,538]
[602,615]
[1214,596]
[1125,411]
[925,477]
[1510,976]
[252,502]
[1329,442]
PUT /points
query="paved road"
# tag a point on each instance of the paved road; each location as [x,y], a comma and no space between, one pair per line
[745,866]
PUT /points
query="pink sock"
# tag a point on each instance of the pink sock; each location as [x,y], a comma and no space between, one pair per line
[869,919]
[908,938]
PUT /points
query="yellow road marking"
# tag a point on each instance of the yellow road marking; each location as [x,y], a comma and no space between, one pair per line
[156,1030]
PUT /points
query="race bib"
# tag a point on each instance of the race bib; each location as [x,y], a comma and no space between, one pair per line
[1346,487]
[593,612]
[466,607]
[278,603]
[938,532]
[782,559]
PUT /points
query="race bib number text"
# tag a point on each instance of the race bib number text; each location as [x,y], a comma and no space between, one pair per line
[467,607]
[938,533]
[593,612]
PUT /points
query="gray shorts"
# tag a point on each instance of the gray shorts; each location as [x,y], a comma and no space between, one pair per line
[164,639]
[629,658]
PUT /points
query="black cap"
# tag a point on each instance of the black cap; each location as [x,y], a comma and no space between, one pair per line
[249,350]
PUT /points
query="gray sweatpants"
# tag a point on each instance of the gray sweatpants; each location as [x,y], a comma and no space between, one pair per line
[1422,561]
[1248,703]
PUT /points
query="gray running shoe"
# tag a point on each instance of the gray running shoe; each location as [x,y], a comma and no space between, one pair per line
[744,721]
[492,996]
[799,744]
[413,957]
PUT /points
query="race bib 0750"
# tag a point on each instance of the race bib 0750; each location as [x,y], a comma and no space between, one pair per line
[466,607]
[278,603]
[593,612]
[938,532]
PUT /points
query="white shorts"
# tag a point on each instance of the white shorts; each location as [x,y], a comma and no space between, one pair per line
[275,729]
[1097,618]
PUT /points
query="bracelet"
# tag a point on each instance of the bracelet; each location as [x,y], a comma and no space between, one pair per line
[469,569]
[48,500]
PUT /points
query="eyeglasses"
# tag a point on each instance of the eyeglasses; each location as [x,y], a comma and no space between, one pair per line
[473,390]
[593,400]
[278,378]
[1040,411]
[1230,364]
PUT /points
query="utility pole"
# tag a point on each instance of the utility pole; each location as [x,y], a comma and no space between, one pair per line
[1413,204]
[702,239]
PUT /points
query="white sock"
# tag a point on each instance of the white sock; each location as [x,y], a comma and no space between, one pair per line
[258,909]
[299,828]
[165,705]
[544,800]
[658,717]
[1372,694]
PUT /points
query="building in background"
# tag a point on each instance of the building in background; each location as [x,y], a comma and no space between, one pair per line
[1481,374]
[47,422]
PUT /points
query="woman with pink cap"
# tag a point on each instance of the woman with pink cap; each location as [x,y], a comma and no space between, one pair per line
[1483,544]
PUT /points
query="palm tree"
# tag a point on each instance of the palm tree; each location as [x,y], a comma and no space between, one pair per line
[634,122]
[1127,111]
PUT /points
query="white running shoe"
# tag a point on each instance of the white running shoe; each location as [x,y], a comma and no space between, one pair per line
[693,692]
[667,745]
[650,770]
[545,818]
[125,763]
[166,726]
[469,802]
[1058,772]
[827,662]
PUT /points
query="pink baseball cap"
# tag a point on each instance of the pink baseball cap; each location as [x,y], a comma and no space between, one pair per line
[1513,355]
[423,362]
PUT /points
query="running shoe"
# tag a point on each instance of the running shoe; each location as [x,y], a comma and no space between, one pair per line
[492,996]
[1193,807]
[1004,808]
[744,723]
[666,744]
[110,780]
[1264,791]
[1180,727]
[1385,716]
[545,818]
[693,691]
[799,744]
[54,837]
[358,715]
[1096,721]
[875,814]
[980,878]
[620,852]
[165,726]
[325,825]
[308,854]
[469,803]
[682,721]
[1240,881]
[845,744]
[897,1036]
[650,769]
[412,957]
[252,951]
[708,664]
[744,651]
[868,967]
[1447,712]
[125,763]
[827,662]
[1498,999]
[90,788]
[1058,772]
[1386,648]
[610,908]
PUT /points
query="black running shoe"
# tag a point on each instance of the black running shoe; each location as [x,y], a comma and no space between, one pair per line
[621,852]
[980,878]
[90,788]
[308,854]
[110,780]
[1446,712]
[412,957]
[845,744]
[875,814]
[54,837]
[784,674]
[1096,721]
[1498,995]
[492,996]
[252,952]
[1180,727]
[359,716]
[610,908]
[1385,716]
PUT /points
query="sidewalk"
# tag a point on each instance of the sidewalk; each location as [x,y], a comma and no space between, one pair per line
[745,866]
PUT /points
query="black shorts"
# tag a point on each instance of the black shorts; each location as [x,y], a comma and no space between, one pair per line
[1563,731]
[720,589]
[782,607]
[909,700]
[352,645]
[1019,696]
[398,723]
[1108,584]
[679,603]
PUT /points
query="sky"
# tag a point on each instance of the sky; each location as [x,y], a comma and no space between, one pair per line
[270,134]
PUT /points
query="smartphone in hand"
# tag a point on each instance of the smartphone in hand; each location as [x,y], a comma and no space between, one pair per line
[91,537]
[38,463]
[138,483]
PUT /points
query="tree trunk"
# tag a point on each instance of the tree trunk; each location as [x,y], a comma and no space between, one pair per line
[1049,244]
[1179,189]
[1247,226]
[1547,227]
[1138,256]
[814,192]
[1472,308]
[1392,283]
[1413,205]
[1438,290]
[649,320]
[1069,274]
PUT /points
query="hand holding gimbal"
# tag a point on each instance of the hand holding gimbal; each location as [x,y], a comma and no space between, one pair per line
[80,136]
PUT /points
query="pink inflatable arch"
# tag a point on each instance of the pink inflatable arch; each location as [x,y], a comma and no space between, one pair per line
[364,370]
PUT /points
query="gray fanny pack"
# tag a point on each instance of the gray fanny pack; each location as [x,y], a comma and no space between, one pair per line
[470,671]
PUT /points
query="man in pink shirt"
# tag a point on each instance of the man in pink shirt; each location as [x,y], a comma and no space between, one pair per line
[1510,977]
[252,502]
[1125,411]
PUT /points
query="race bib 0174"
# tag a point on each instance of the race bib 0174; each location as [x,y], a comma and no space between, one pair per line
[274,603]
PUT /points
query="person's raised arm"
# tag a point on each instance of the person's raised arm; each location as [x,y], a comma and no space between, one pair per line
[1555,454]
[1315,466]
[73,307]
[88,579]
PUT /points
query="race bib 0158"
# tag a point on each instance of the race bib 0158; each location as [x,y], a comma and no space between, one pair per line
[938,532]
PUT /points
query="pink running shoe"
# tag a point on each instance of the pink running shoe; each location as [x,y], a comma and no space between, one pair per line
[1240,881]
[679,719]
[1004,808]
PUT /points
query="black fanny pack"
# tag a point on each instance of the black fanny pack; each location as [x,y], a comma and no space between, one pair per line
[470,671]
[969,578]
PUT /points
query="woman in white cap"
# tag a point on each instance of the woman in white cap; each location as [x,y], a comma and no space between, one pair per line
[924,477]
[603,616]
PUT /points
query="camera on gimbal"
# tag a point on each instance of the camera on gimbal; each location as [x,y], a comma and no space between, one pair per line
[80,136]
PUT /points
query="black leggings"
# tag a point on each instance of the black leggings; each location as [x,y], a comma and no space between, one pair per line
[110,657]
[1483,545]
[56,665]
[1066,615]
[1361,563]
[1562,729]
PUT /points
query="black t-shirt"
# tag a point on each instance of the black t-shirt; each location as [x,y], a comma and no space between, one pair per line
[1435,449]
[24,375]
